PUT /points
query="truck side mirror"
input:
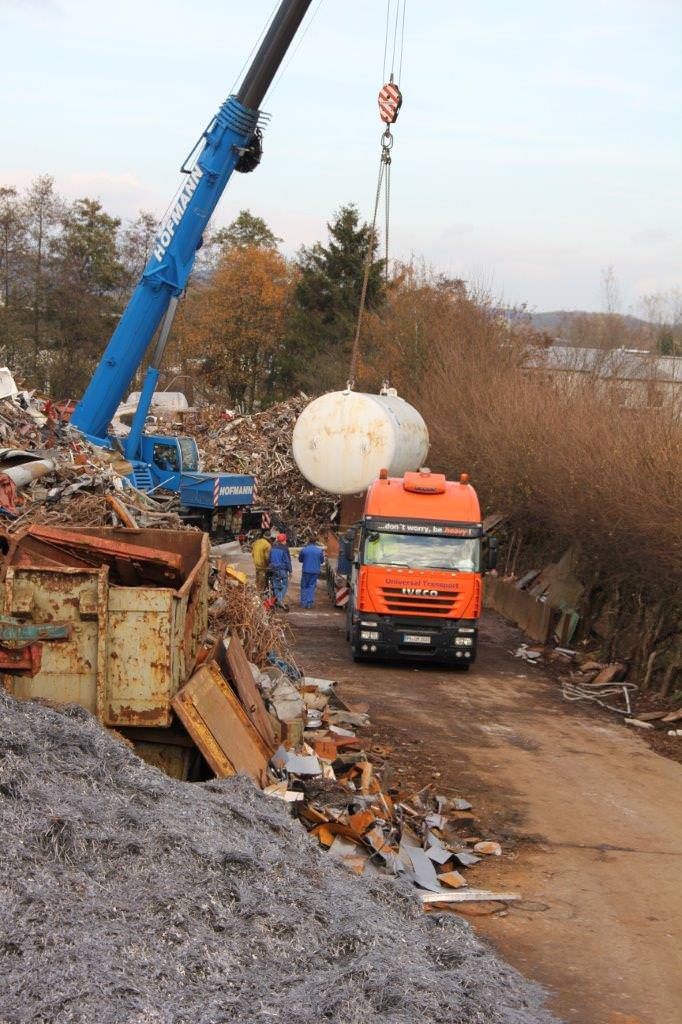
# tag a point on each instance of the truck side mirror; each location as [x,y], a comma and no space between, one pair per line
[493,545]
[348,542]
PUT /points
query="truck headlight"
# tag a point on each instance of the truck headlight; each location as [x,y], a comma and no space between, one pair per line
[369,634]
[464,641]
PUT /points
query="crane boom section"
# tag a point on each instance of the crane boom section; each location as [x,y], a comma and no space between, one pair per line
[169,267]
[226,139]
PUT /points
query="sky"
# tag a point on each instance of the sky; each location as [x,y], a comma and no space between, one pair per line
[538,144]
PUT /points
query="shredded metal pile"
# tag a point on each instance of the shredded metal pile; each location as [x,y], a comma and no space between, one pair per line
[128,896]
[261,445]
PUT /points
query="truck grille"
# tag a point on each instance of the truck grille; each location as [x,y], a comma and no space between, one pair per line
[441,603]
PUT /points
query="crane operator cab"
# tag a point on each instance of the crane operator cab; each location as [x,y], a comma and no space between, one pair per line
[169,457]
[212,501]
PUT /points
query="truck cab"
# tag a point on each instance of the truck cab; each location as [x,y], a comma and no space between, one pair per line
[416,583]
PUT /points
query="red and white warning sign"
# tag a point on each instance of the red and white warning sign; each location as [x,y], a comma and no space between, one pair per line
[390,102]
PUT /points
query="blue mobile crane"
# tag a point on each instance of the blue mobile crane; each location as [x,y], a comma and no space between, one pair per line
[231,141]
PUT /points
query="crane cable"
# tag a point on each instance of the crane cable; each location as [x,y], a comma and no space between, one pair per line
[390,101]
[384,164]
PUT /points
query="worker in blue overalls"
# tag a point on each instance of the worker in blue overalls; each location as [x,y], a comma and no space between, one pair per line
[311,558]
[280,569]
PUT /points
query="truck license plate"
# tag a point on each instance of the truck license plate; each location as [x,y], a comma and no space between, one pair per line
[414,638]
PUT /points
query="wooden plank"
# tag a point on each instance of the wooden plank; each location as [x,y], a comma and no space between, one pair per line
[239,671]
[220,720]
[469,896]
[121,511]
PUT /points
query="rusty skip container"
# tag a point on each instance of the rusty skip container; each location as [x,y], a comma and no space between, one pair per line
[131,647]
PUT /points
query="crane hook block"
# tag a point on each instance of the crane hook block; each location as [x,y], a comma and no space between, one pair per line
[390,102]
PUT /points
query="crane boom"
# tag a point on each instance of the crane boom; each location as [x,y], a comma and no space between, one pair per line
[230,135]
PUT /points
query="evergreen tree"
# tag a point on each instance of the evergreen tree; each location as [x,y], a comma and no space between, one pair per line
[88,276]
[326,303]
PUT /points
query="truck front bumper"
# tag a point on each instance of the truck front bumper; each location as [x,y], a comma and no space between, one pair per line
[453,641]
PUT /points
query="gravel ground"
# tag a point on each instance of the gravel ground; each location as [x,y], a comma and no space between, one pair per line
[129,898]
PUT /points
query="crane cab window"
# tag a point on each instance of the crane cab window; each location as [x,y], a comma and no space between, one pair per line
[190,454]
[167,458]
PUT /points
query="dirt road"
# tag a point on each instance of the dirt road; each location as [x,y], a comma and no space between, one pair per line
[590,817]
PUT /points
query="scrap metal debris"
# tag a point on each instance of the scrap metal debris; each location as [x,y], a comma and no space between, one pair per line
[230,689]
[127,895]
[588,680]
[51,476]
[238,610]
[323,766]
[261,445]
[604,683]
[121,873]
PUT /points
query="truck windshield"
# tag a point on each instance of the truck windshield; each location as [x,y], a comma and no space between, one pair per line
[417,552]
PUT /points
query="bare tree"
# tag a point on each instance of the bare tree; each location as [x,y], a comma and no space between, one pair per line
[135,245]
[611,291]
[43,209]
[12,257]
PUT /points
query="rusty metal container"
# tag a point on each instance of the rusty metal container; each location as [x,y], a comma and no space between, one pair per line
[130,648]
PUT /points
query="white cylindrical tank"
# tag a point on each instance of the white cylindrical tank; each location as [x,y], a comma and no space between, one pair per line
[342,440]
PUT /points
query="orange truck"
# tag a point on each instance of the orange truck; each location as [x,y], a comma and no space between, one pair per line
[416,587]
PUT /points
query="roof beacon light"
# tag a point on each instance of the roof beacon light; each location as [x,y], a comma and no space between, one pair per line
[464,478]
[383,474]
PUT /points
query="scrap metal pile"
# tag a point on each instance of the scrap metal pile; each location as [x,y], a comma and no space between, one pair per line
[261,445]
[50,476]
[335,783]
[130,894]
[127,895]
[239,610]
[223,691]
[250,708]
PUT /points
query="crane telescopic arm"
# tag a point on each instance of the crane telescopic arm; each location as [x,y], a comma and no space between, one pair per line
[230,139]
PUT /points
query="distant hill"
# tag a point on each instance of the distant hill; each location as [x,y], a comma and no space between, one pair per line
[556,319]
